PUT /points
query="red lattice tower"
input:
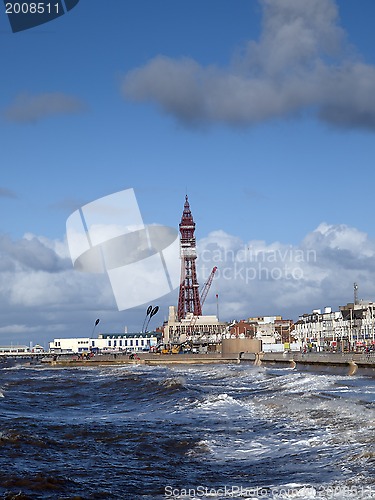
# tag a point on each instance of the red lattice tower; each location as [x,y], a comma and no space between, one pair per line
[188,299]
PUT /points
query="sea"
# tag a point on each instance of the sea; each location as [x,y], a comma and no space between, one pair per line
[185,432]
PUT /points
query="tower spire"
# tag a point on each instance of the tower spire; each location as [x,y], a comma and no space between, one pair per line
[188,299]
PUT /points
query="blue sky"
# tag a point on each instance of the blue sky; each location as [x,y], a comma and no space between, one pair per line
[262,111]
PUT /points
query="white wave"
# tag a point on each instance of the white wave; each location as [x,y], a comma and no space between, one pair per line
[173,382]
[324,491]
[295,382]
[14,367]
[217,400]
[260,448]
[202,447]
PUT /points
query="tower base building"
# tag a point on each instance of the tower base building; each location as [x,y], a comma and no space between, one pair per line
[195,329]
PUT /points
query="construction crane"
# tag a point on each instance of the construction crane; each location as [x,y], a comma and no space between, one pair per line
[207,286]
[203,296]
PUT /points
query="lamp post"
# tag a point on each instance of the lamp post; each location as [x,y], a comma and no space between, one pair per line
[149,309]
[152,313]
[95,325]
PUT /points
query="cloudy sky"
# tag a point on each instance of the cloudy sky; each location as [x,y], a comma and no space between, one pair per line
[263,111]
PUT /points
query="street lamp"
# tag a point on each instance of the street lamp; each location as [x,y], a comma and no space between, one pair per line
[95,325]
[149,309]
[152,313]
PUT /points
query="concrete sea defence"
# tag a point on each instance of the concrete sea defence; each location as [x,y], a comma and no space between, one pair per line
[347,363]
[140,358]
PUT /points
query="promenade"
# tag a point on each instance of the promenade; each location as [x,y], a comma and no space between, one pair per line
[348,363]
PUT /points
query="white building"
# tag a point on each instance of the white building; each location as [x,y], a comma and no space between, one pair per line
[272,329]
[351,327]
[199,328]
[317,330]
[267,334]
[12,350]
[109,342]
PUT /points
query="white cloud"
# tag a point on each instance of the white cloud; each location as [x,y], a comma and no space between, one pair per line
[341,238]
[29,253]
[43,297]
[300,63]
[255,278]
[40,293]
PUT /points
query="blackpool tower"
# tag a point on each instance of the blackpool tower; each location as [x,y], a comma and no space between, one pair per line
[188,299]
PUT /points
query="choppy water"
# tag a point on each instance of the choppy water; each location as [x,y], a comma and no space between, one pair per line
[207,432]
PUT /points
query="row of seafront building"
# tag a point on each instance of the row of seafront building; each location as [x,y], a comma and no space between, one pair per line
[350,328]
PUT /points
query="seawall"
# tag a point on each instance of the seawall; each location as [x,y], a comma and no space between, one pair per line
[350,363]
[143,358]
[345,363]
